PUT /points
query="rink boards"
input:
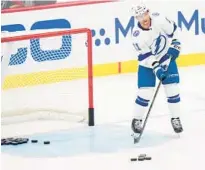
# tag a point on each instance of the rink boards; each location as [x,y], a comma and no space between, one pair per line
[21,80]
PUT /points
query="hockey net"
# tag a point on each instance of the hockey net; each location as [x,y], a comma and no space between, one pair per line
[47,75]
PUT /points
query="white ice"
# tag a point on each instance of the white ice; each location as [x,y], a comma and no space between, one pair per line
[109,145]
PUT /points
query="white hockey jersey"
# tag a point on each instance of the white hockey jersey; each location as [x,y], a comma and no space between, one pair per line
[152,44]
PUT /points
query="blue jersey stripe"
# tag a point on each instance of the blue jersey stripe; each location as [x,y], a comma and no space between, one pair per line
[172,34]
[144,56]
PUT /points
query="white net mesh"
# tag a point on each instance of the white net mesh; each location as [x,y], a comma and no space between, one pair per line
[46,78]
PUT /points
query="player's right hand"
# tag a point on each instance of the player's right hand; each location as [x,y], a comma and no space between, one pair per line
[159,71]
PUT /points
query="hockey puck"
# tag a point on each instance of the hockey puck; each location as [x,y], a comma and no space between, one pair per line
[26,140]
[141,158]
[22,141]
[34,141]
[3,141]
[46,142]
[133,159]
[148,158]
[7,142]
[14,143]
[10,139]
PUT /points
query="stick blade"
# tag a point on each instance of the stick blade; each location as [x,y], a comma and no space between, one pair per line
[136,140]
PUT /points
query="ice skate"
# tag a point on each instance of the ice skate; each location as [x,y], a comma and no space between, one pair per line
[137,128]
[176,124]
[136,125]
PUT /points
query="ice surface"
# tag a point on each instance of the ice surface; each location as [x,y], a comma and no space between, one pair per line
[109,144]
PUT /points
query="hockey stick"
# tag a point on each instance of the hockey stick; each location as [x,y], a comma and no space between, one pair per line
[136,140]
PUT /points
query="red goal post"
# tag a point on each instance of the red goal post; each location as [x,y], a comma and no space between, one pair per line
[89,57]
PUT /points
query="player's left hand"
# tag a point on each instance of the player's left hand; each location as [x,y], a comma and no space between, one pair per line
[174,49]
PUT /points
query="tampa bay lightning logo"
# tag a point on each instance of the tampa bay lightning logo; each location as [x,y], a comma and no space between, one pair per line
[136,33]
[158,45]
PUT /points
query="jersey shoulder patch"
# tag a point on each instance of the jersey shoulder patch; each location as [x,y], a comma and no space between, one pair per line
[155,14]
[136,33]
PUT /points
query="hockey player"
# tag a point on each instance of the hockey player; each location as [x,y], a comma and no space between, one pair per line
[155,39]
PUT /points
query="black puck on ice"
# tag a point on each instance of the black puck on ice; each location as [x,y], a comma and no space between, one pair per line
[14,143]
[148,158]
[46,142]
[34,141]
[141,157]
[133,159]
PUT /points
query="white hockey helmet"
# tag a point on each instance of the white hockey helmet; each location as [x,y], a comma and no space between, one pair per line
[139,10]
